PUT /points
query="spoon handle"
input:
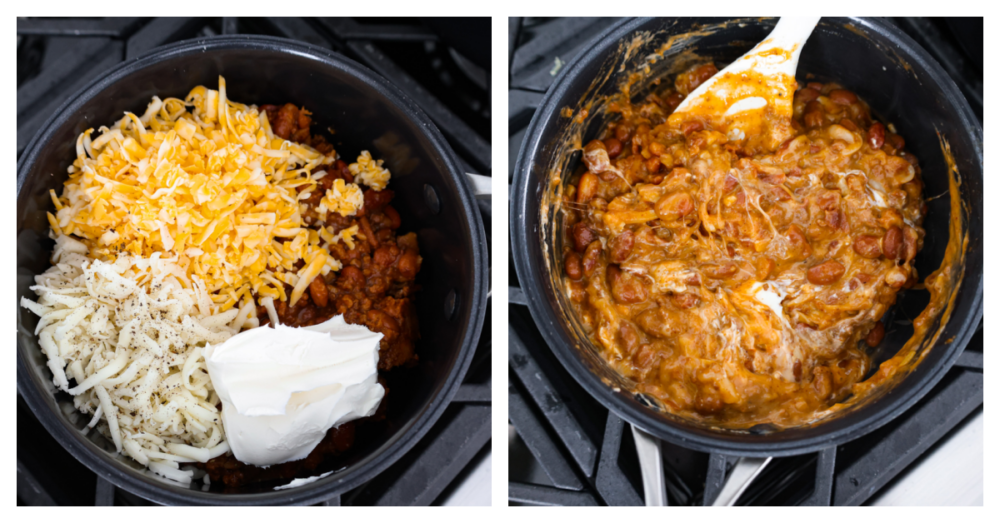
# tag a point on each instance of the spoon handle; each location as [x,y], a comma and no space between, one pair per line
[777,57]
[790,34]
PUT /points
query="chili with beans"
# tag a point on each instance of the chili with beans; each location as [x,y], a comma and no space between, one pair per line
[733,286]
[375,288]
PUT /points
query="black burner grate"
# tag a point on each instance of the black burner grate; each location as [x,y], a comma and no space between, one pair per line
[586,454]
[56,57]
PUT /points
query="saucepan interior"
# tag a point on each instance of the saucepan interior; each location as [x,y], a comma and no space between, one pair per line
[363,112]
[901,83]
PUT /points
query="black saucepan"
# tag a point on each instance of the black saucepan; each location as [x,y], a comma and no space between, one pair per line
[903,85]
[366,112]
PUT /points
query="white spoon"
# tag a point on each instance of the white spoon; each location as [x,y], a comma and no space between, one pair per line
[760,83]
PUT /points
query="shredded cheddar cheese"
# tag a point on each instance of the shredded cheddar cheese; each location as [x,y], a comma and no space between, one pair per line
[370,171]
[205,180]
[344,198]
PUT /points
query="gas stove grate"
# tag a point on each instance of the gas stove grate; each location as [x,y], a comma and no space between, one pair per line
[584,452]
[57,57]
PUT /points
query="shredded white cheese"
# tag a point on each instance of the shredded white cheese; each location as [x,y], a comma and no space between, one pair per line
[130,335]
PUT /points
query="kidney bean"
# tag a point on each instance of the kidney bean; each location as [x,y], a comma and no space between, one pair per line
[629,336]
[380,321]
[910,158]
[608,176]
[799,242]
[849,125]
[729,183]
[317,289]
[653,165]
[628,289]
[393,215]
[797,370]
[720,272]
[621,246]
[385,255]
[775,178]
[623,132]
[692,127]
[284,123]
[843,97]
[351,278]
[875,335]
[807,94]
[684,300]
[832,219]
[780,194]
[822,382]
[876,135]
[591,257]
[673,206]
[673,100]
[614,147]
[612,274]
[891,242]
[895,141]
[815,86]
[813,119]
[708,402]
[582,236]
[867,246]
[408,265]
[586,188]
[376,200]
[644,358]
[764,268]
[825,273]
[573,265]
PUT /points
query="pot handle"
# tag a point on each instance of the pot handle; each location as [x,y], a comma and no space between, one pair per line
[482,186]
[743,473]
[482,189]
[651,464]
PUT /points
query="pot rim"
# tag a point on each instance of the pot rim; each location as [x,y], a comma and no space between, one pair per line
[45,408]
[533,275]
